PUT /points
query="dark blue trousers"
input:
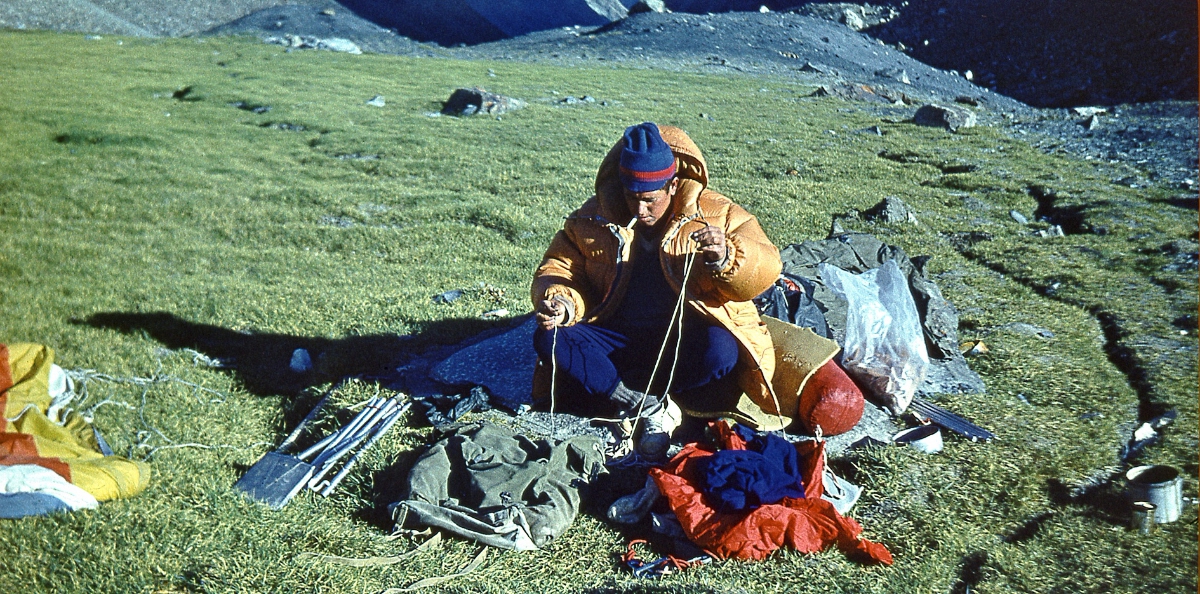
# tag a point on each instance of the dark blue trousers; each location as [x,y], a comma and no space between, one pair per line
[591,359]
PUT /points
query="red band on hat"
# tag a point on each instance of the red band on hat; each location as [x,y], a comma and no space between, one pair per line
[649,176]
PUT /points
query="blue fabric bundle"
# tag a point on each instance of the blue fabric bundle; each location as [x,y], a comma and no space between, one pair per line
[765,473]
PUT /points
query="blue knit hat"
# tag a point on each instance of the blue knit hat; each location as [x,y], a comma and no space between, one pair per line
[647,162]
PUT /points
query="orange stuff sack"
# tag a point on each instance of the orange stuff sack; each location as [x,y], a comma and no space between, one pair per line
[830,399]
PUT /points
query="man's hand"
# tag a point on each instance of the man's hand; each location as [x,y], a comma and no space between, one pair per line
[551,314]
[712,243]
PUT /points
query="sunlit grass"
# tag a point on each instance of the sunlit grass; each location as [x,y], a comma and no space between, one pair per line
[326,221]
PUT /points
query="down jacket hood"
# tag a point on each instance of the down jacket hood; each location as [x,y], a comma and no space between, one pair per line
[689,165]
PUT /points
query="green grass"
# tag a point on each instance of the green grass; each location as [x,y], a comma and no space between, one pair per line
[134,222]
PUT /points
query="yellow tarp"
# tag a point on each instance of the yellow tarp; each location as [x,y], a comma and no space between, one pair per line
[28,436]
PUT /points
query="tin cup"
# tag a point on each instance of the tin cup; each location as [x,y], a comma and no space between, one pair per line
[926,438]
[1141,517]
[1159,485]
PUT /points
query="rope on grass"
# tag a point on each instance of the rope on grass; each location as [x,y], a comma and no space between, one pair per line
[203,446]
[80,379]
[373,561]
[433,581]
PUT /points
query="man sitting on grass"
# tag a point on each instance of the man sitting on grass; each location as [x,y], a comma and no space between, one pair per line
[654,255]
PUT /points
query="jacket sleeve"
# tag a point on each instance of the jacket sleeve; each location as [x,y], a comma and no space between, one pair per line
[561,274]
[753,263]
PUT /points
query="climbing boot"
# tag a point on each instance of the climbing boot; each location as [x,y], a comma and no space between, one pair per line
[656,429]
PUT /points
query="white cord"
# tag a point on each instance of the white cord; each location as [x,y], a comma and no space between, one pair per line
[553,376]
[676,315]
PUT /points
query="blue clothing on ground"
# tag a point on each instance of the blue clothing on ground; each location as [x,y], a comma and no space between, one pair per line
[765,473]
[19,505]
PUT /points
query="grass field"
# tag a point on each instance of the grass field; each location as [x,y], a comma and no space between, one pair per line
[138,220]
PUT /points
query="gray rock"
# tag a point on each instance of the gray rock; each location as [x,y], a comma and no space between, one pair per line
[448,297]
[897,74]
[1092,122]
[891,210]
[950,376]
[851,18]
[337,44]
[950,118]
[571,100]
[851,91]
[836,228]
[876,425]
[857,253]
[333,44]
[648,6]
[854,16]
[1018,217]
[1052,231]
[301,361]
[1185,257]
[1088,112]
[377,101]
[465,102]
[503,364]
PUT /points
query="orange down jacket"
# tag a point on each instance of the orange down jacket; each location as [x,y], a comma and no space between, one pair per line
[585,264]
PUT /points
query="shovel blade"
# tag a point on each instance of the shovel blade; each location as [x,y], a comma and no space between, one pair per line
[275,479]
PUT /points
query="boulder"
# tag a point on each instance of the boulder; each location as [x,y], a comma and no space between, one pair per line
[465,102]
[451,22]
[941,116]
[896,74]
[648,6]
[333,44]
[891,210]
[854,16]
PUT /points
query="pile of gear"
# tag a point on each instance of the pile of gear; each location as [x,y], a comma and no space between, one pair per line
[727,490]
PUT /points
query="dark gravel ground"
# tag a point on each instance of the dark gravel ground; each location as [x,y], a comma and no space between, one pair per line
[1059,53]
[1152,141]
[778,44]
[324,19]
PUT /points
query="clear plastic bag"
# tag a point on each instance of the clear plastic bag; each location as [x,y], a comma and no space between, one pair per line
[884,346]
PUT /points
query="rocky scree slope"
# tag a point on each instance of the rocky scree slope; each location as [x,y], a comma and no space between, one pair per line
[1061,53]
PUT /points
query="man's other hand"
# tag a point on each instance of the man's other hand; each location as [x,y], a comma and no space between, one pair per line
[551,314]
[712,243]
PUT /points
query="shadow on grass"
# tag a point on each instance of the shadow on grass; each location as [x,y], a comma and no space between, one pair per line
[970,572]
[1101,499]
[262,360]
[386,487]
